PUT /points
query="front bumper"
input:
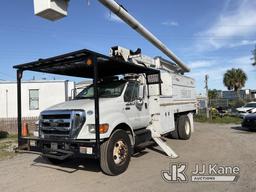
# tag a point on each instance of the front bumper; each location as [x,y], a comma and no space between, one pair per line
[63,148]
[242,114]
[249,123]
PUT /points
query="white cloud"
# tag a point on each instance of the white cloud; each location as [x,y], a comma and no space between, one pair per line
[216,68]
[201,64]
[215,74]
[240,61]
[113,17]
[242,43]
[240,22]
[170,23]
[243,62]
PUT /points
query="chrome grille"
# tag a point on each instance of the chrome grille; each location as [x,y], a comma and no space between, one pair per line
[60,122]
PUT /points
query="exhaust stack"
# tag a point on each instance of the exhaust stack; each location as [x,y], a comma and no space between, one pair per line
[136,25]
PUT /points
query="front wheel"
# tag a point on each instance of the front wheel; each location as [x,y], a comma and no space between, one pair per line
[115,153]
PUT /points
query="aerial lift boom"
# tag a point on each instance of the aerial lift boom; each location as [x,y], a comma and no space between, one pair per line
[58,8]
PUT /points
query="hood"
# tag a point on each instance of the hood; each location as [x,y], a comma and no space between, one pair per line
[244,109]
[250,117]
[87,104]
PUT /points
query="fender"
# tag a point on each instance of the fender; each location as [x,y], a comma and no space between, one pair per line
[114,119]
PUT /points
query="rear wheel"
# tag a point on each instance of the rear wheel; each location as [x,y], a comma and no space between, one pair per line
[252,129]
[115,153]
[184,127]
[174,134]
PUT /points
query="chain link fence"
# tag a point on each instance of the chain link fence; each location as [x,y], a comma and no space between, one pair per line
[227,106]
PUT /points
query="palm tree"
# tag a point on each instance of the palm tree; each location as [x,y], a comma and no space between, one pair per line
[234,79]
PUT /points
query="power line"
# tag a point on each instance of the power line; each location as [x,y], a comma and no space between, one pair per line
[6,75]
[39,31]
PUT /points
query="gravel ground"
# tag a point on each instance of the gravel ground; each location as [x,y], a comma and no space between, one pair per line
[210,143]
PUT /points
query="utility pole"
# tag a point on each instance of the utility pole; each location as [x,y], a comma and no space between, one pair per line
[6,97]
[207,96]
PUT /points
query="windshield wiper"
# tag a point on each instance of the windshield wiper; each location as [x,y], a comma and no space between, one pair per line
[77,98]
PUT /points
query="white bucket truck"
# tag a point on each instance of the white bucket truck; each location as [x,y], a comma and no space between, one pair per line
[134,99]
[134,109]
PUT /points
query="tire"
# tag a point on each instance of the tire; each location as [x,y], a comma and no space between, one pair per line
[252,129]
[174,134]
[111,161]
[184,127]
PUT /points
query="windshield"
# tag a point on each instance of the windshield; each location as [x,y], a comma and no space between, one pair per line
[250,105]
[106,89]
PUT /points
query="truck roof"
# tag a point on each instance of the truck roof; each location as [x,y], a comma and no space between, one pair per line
[78,64]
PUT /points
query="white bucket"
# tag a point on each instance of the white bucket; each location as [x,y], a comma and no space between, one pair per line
[51,9]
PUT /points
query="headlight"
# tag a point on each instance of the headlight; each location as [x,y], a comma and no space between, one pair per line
[78,121]
[102,129]
[91,128]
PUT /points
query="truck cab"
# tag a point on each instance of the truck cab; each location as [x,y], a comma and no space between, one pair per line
[121,102]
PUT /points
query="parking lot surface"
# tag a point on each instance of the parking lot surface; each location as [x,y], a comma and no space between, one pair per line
[224,145]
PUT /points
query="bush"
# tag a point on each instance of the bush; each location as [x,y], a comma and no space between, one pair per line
[236,103]
[3,134]
[218,119]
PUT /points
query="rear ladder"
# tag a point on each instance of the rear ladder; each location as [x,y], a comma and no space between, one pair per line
[157,137]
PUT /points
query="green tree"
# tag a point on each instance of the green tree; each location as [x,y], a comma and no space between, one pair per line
[234,79]
[213,94]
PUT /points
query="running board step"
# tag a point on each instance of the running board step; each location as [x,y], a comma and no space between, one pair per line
[165,147]
[58,154]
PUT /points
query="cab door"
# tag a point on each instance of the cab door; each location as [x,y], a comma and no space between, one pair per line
[136,106]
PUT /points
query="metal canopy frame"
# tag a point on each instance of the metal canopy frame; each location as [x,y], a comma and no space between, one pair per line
[83,63]
[80,64]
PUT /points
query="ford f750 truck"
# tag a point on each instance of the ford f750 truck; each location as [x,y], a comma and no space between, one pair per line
[151,100]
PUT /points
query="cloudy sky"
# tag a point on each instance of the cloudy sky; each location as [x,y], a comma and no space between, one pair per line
[210,36]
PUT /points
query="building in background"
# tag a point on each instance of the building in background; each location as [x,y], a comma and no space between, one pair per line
[201,102]
[253,94]
[37,95]
[245,94]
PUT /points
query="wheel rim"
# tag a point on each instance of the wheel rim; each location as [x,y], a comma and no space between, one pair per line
[187,128]
[120,152]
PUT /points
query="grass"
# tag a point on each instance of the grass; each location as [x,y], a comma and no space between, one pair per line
[217,119]
[6,146]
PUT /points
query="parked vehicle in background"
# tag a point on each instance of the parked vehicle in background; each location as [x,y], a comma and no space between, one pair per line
[249,122]
[246,109]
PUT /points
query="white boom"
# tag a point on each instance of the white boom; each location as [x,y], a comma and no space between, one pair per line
[137,26]
[56,9]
